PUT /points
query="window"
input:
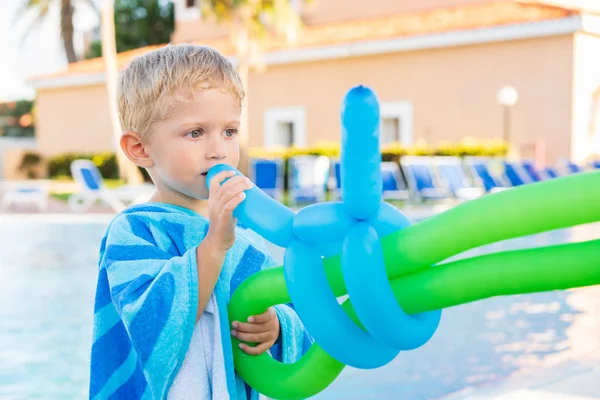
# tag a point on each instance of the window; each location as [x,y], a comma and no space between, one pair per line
[190,3]
[396,123]
[285,133]
[285,126]
[390,130]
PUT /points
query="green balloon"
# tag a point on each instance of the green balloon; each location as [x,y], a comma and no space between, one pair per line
[411,255]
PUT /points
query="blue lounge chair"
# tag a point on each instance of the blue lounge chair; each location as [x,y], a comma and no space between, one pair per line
[87,175]
[531,171]
[335,181]
[307,179]
[569,167]
[421,178]
[28,191]
[267,175]
[480,166]
[393,185]
[550,173]
[516,174]
[456,178]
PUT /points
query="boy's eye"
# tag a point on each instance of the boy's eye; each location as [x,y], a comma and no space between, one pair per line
[230,132]
[196,133]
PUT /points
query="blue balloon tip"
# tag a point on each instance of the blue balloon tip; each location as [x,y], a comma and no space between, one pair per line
[360,110]
[360,91]
[215,170]
[360,95]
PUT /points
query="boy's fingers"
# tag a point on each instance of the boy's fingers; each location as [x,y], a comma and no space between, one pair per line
[253,337]
[251,328]
[215,183]
[264,317]
[233,193]
[234,202]
[261,348]
[237,184]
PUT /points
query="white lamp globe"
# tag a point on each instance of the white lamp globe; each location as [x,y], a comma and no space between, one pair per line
[508,96]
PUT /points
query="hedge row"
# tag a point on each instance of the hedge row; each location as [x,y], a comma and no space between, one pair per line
[393,151]
[59,166]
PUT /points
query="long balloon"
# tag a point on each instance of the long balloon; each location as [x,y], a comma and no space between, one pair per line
[388,266]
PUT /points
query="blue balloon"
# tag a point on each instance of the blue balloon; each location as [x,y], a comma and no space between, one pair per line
[388,220]
[352,228]
[373,298]
[260,212]
[331,219]
[360,167]
[322,315]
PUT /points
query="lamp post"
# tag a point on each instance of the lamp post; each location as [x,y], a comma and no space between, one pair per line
[507,97]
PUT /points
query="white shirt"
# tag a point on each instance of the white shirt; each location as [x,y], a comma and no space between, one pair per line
[202,374]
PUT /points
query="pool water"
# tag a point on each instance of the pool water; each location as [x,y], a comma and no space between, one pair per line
[47,283]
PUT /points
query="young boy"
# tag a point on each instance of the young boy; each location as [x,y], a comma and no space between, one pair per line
[168,267]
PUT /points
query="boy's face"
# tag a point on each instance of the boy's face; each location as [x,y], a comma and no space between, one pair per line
[199,135]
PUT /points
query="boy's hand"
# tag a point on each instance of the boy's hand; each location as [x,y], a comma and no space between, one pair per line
[262,329]
[222,200]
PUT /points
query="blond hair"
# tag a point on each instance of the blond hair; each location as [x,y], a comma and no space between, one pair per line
[153,84]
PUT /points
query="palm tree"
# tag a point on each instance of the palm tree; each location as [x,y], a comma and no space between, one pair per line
[40,8]
[250,23]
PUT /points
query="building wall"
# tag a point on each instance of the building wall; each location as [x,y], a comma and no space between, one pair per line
[73,120]
[586,98]
[452,91]
[12,151]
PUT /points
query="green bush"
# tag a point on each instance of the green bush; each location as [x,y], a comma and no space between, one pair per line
[29,164]
[60,166]
[394,151]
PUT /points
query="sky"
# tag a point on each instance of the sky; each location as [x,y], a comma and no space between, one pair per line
[40,53]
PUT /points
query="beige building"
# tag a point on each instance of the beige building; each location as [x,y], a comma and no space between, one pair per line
[436,65]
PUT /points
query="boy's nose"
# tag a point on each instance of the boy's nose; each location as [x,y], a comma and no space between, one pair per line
[216,149]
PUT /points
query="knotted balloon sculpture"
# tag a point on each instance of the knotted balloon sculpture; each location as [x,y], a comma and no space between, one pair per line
[393,271]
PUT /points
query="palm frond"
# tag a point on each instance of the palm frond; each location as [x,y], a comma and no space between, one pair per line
[40,9]
[27,5]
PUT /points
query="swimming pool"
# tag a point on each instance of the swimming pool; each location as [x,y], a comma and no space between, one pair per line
[47,283]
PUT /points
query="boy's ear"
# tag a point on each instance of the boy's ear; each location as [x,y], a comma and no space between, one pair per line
[133,147]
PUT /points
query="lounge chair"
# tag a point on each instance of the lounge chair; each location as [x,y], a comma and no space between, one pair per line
[550,173]
[25,192]
[530,169]
[456,178]
[393,185]
[421,178]
[267,175]
[516,174]
[481,167]
[87,175]
[569,167]
[307,179]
